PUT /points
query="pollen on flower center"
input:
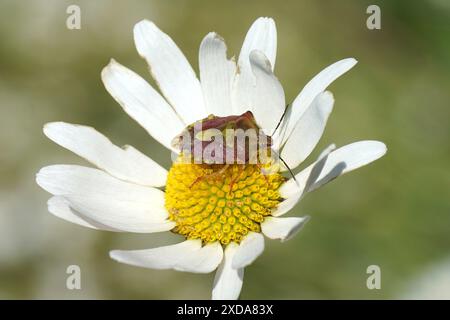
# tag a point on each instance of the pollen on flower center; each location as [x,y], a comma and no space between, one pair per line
[220,203]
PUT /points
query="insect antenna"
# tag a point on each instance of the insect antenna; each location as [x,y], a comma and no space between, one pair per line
[278,155]
[284,162]
[281,119]
[289,169]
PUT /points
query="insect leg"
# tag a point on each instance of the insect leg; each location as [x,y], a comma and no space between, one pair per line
[211,175]
[241,168]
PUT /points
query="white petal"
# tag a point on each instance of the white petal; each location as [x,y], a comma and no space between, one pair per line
[142,103]
[171,70]
[282,228]
[60,207]
[317,168]
[127,164]
[294,191]
[205,260]
[216,75]
[317,85]
[261,36]
[308,131]
[293,196]
[325,152]
[268,102]
[228,281]
[242,95]
[338,162]
[188,256]
[249,249]
[102,198]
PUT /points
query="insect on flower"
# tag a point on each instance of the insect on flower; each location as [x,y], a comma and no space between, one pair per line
[225,191]
[218,142]
[224,140]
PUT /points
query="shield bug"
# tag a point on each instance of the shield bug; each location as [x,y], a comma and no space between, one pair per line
[219,142]
[214,140]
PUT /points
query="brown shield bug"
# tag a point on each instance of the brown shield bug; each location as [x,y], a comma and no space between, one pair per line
[223,141]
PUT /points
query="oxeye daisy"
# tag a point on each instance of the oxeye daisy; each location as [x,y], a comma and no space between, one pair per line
[221,211]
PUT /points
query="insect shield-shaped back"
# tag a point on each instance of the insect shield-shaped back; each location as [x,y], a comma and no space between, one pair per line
[224,140]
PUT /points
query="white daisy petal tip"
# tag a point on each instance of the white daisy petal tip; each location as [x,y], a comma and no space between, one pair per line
[46,126]
[144,23]
[264,92]
[312,89]
[327,99]
[351,62]
[375,148]
[262,35]
[129,212]
[140,29]
[60,208]
[213,36]
[330,165]
[327,151]
[109,71]
[283,229]
[309,130]
[127,164]
[264,23]
[259,60]
[217,74]
[383,147]
[265,20]
[171,70]
[111,64]
[186,256]
[142,102]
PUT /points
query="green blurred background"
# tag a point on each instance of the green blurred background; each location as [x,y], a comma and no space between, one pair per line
[394,213]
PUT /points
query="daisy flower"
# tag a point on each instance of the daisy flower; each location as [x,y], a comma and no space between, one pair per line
[222,224]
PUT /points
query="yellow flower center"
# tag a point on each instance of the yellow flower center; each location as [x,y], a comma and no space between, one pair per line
[220,202]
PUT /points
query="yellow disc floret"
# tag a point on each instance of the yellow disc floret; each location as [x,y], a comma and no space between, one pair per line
[220,202]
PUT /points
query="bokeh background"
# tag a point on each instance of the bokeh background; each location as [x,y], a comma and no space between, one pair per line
[394,213]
